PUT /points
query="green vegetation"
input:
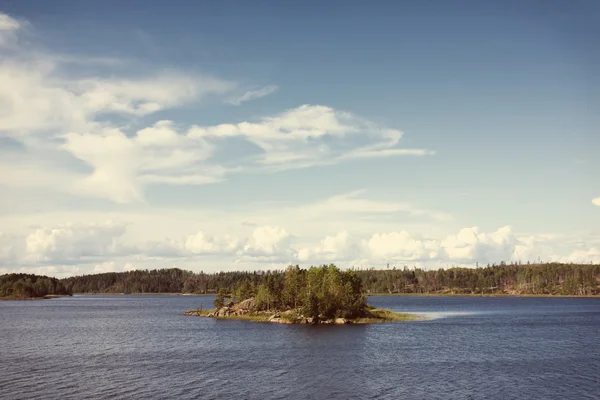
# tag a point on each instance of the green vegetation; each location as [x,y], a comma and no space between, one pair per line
[323,292]
[502,279]
[27,286]
[220,298]
[255,317]
[199,312]
[383,315]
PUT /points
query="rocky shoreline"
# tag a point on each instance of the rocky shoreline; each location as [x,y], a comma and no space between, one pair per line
[245,310]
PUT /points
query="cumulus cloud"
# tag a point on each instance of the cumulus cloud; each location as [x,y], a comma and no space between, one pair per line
[586,256]
[471,245]
[253,95]
[68,249]
[73,242]
[269,243]
[596,201]
[201,243]
[336,248]
[467,247]
[401,245]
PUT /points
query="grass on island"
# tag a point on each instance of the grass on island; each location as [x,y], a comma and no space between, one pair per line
[256,317]
[379,315]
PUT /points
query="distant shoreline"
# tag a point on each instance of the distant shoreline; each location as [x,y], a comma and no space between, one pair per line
[373,295]
[47,297]
[481,295]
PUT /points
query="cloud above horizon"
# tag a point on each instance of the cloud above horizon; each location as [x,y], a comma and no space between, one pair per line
[151,161]
[101,247]
[77,131]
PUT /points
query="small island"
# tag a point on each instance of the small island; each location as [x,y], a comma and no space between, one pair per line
[319,295]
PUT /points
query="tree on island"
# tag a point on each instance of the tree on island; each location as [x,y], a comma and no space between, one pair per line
[323,292]
[220,298]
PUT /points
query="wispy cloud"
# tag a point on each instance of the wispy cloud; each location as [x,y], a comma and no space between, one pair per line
[354,204]
[253,95]
[8,28]
[76,128]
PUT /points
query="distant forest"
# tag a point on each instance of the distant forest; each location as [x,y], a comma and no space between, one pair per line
[510,279]
[25,286]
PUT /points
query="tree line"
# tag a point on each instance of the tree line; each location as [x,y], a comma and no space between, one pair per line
[24,286]
[547,278]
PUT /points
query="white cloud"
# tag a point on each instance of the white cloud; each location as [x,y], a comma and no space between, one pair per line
[8,28]
[68,249]
[122,164]
[340,247]
[201,243]
[254,94]
[56,271]
[111,266]
[310,135]
[402,246]
[59,117]
[468,246]
[8,24]
[47,108]
[596,201]
[354,203]
[38,99]
[586,256]
[73,242]
[366,153]
[269,242]
[11,246]
[471,245]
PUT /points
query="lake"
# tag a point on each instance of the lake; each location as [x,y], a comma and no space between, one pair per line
[101,347]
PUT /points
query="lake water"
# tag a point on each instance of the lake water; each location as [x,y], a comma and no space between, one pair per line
[101,347]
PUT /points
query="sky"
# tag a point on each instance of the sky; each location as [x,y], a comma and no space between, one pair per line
[234,135]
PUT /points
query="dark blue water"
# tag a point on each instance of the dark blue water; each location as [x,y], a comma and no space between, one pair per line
[101,347]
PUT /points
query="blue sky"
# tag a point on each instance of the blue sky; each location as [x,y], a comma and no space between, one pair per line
[245,135]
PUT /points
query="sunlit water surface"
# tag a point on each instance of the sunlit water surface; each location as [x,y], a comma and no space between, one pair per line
[101,347]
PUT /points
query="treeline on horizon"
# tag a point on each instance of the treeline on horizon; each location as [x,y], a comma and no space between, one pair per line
[512,279]
[26,286]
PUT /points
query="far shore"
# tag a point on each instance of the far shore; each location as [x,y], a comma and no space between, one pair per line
[47,297]
[378,295]
[480,295]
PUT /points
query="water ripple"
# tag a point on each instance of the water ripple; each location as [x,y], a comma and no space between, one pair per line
[141,347]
